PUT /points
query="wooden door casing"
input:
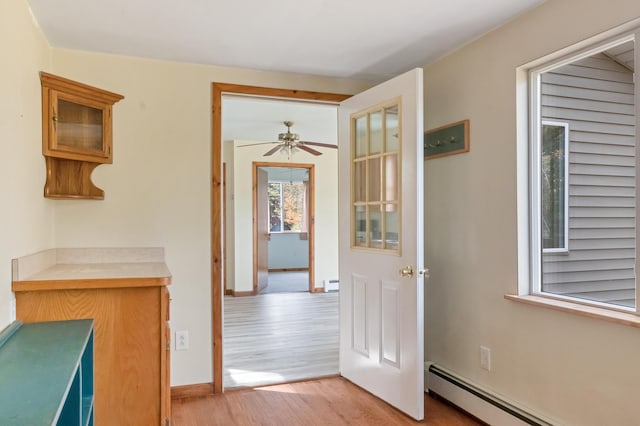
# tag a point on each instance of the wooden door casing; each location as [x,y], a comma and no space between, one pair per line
[217,272]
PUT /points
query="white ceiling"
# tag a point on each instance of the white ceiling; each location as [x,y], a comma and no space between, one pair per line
[364,39]
[260,119]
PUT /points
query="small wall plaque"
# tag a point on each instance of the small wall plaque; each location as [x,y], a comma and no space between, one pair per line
[447,140]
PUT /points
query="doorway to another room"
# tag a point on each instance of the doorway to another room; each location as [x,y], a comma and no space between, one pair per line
[280,246]
[288,208]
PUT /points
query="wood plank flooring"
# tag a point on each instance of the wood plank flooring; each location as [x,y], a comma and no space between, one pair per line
[277,338]
[330,401]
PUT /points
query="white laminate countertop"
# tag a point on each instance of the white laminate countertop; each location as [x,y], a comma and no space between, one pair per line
[91,264]
[89,271]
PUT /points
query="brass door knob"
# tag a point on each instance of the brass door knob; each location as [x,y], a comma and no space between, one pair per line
[407,271]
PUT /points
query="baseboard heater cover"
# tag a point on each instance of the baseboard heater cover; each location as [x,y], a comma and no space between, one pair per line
[477,402]
[331,285]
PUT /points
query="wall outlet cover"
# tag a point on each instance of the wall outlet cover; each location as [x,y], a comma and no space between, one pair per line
[485,358]
[182,340]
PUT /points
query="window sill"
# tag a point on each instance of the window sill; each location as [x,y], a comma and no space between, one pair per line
[623,318]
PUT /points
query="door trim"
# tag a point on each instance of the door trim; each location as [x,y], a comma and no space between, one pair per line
[217,290]
[310,217]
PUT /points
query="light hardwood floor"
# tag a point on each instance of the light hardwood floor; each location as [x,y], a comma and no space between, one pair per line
[330,401]
[277,338]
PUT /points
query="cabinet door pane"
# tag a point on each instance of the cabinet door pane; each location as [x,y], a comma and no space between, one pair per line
[79,126]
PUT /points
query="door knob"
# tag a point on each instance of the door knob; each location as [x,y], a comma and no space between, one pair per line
[407,271]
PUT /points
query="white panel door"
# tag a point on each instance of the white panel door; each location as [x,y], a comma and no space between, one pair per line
[381,234]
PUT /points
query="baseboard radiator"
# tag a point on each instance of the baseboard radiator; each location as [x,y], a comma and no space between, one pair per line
[479,403]
[331,285]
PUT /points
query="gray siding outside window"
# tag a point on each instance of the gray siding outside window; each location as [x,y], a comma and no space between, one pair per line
[595,97]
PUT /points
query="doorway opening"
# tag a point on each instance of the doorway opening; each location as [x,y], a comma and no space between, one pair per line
[284,233]
[218,273]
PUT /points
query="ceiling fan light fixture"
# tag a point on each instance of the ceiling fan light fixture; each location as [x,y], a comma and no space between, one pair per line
[288,137]
[289,143]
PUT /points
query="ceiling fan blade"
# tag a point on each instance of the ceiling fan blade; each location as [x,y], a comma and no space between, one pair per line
[309,150]
[254,144]
[272,150]
[326,145]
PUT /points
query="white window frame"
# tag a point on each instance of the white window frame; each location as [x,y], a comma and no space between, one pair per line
[565,248]
[531,254]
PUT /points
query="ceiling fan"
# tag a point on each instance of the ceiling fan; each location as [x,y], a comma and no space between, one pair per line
[288,142]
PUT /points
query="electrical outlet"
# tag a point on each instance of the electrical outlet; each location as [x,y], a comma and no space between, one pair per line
[182,340]
[485,358]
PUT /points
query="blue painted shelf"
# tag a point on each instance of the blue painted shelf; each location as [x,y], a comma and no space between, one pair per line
[46,373]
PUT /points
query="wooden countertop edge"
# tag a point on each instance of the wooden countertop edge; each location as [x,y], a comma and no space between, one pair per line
[94,283]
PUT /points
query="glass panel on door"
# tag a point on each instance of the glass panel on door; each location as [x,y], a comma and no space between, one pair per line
[359,181]
[361,136]
[375,130]
[376,178]
[360,213]
[391,127]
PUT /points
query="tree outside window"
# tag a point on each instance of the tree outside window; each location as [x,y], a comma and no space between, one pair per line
[287,206]
[554,175]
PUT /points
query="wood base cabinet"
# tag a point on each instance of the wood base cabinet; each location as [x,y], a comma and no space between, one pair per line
[131,341]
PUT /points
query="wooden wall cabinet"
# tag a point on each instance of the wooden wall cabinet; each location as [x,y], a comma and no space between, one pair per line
[76,135]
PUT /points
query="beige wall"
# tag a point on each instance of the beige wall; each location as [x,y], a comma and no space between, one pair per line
[572,369]
[157,191]
[25,217]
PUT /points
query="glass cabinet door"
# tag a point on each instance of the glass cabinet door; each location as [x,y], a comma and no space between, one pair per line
[76,120]
[77,126]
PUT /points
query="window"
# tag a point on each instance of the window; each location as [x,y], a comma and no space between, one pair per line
[554,182]
[583,176]
[287,206]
